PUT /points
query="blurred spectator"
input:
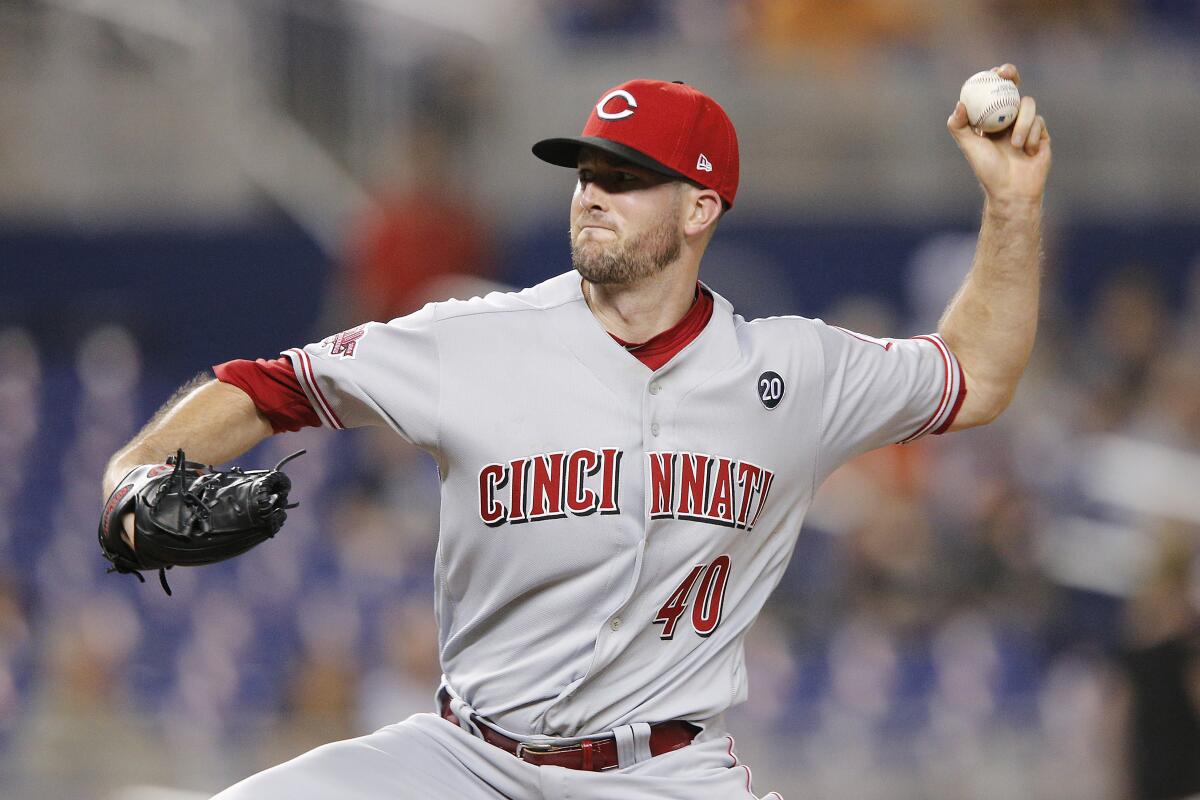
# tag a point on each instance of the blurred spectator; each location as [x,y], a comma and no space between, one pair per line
[318,707]
[935,271]
[14,653]
[846,757]
[321,684]
[1161,667]
[20,409]
[82,728]
[838,33]
[707,23]
[426,229]
[422,233]
[966,660]
[1126,327]
[1105,18]
[1074,758]
[20,384]
[374,543]
[449,89]
[963,706]
[109,364]
[894,573]
[771,670]
[386,520]
[407,670]
[1168,408]
[869,315]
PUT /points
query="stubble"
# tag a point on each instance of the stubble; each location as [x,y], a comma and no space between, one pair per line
[644,255]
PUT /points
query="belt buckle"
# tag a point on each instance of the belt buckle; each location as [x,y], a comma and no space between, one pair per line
[544,749]
[535,748]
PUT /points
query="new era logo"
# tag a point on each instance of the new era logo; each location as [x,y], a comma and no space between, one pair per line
[703,164]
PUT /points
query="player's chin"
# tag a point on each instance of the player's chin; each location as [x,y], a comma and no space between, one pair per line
[587,249]
[592,265]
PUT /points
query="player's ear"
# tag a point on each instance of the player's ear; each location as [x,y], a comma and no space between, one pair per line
[703,209]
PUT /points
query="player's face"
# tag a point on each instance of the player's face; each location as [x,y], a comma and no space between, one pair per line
[625,220]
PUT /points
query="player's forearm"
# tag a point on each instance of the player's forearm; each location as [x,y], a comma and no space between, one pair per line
[213,423]
[991,323]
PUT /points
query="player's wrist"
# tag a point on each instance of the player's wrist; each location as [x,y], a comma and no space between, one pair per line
[1015,207]
[116,472]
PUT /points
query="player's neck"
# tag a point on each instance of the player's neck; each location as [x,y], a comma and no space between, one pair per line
[640,311]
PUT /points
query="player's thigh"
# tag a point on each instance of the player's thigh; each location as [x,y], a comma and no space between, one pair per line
[707,770]
[423,756]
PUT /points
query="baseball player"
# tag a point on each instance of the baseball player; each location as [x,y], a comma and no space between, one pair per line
[625,462]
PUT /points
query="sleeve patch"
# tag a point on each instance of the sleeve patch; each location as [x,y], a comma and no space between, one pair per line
[345,343]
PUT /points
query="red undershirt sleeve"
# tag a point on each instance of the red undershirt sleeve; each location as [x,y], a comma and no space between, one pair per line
[273,387]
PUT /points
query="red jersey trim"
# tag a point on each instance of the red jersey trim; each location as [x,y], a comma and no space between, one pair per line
[308,381]
[953,392]
[958,402]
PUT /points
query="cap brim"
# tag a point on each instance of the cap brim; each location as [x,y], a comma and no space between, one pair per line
[564,152]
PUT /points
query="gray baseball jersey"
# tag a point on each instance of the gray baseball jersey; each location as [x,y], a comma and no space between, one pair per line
[608,533]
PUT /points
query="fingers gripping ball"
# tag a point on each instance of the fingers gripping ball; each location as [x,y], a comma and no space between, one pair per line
[188,514]
[991,101]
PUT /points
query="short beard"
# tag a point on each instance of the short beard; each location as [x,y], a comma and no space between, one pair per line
[647,254]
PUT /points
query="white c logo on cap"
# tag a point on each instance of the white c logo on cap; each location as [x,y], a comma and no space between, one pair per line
[600,112]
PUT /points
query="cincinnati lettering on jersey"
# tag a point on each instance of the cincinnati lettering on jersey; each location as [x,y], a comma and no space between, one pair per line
[689,486]
[550,486]
[703,488]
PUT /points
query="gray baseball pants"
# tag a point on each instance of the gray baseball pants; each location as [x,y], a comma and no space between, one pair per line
[427,757]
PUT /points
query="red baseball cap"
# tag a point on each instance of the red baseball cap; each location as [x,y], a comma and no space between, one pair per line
[668,127]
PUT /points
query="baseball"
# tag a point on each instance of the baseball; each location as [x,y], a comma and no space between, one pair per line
[991,101]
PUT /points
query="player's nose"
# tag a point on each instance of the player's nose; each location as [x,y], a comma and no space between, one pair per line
[592,196]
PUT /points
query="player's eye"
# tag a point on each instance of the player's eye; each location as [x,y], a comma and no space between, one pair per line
[626,177]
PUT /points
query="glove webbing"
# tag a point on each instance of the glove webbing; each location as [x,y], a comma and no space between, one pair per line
[191,500]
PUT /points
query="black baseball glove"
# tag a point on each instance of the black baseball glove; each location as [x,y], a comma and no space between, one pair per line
[187,514]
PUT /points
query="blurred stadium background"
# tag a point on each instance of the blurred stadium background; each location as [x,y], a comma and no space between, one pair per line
[1005,613]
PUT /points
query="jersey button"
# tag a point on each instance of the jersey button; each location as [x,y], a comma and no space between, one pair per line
[615,624]
[654,429]
[655,388]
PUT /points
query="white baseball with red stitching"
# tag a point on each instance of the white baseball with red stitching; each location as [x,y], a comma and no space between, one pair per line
[991,101]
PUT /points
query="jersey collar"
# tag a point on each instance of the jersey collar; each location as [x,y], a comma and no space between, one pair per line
[573,324]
